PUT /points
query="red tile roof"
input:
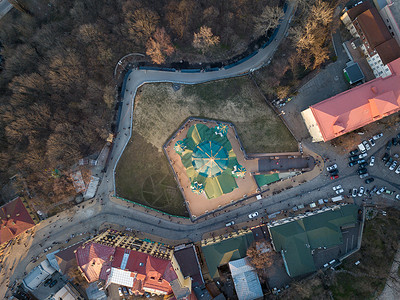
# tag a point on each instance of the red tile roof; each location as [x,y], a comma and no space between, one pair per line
[359,106]
[95,260]
[14,219]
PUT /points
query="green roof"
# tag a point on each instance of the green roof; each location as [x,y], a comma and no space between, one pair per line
[210,158]
[218,254]
[296,239]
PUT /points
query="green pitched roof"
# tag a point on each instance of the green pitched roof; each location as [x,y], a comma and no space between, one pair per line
[295,239]
[221,253]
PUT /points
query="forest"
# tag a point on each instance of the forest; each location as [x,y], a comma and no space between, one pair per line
[58,93]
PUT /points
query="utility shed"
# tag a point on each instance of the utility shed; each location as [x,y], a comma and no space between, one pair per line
[353,73]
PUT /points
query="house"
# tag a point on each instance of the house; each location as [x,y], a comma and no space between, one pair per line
[354,108]
[15,218]
[296,238]
[390,13]
[38,275]
[364,22]
[64,260]
[67,292]
[245,279]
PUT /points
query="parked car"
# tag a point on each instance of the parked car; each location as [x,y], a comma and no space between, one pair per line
[377,136]
[381,190]
[366,145]
[397,197]
[372,142]
[369,180]
[352,163]
[395,141]
[53,283]
[338,187]
[125,291]
[47,282]
[393,165]
[362,171]
[386,157]
[361,191]
[397,170]
[339,191]
[353,158]
[331,168]
[354,192]
[389,192]
[389,162]
[374,190]
[362,155]
[253,215]
[334,177]
[363,165]
[230,223]
[120,292]
[130,291]
[354,152]
[388,145]
[334,172]
[364,175]
[372,161]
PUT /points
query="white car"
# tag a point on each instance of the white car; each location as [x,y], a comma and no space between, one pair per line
[339,191]
[364,175]
[331,168]
[381,190]
[361,191]
[378,136]
[393,165]
[366,145]
[397,197]
[397,170]
[338,187]
[372,142]
[230,223]
[354,192]
[120,292]
[253,215]
[362,155]
[372,161]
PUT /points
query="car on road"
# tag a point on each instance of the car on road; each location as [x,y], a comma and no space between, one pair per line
[362,171]
[354,192]
[364,175]
[369,180]
[397,170]
[393,165]
[120,292]
[381,190]
[253,215]
[353,152]
[386,157]
[372,142]
[395,141]
[372,161]
[53,283]
[377,136]
[331,168]
[339,191]
[230,223]
[352,163]
[334,177]
[389,145]
[366,145]
[361,191]
[397,197]
[353,158]
[338,187]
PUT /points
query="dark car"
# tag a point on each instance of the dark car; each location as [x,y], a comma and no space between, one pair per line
[361,161]
[389,162]
[363,165]
[388,145]
[354,152]
[352,163]
[395,141]
[334,172]
[369,180]
[47,282]
[53,283]
[362,171]
[353,158]
[385,157]
[398,136]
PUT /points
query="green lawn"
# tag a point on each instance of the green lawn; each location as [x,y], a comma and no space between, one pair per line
[143,174]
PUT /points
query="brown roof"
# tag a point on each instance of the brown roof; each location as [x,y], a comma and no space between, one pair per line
[388,51]
[188,262]
[355,11]
[66,258]
[14,219]
[373,27]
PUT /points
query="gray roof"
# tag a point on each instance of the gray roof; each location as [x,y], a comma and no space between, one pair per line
[354,73]
[246,280]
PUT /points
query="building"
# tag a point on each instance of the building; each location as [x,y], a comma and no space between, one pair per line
[67,292]
[246,280]
[15,217]
[353,73]
[64,260]
[354,108]
[390,13]
[297,238]
[38,275]
[221,252]
[94,293]
[364,22]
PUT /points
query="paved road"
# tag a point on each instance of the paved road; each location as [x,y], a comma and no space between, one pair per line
[5,7]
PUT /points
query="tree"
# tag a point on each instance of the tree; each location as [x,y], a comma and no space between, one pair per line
[142,23]
[159,46]
[179,15]
[261,255]
[268,19]
[205,39]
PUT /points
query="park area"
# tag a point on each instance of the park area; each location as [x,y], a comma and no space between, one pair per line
[143,174]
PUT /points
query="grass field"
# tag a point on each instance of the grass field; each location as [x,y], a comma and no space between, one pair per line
[143,173]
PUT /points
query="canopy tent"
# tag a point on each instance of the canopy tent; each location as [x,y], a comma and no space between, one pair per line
[239,171]
[210,159]
[179,147]
[221,129]
[197,188]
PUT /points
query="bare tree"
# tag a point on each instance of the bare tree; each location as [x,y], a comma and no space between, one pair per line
[268,19]
[159,46]
[261,255]
[205,39]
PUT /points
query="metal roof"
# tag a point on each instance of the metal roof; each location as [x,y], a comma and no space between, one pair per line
[246,280]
